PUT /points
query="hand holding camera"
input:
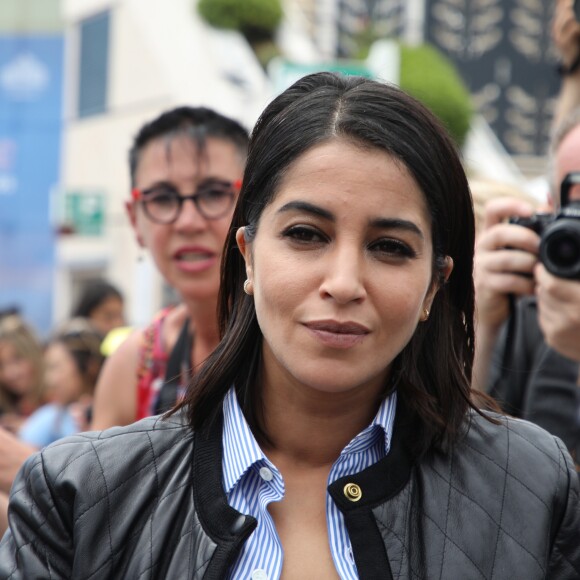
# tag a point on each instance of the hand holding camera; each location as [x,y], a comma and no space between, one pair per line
[557,277]
[505,256]
[559,233]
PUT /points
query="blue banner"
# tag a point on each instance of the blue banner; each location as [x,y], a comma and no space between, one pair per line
[31,81]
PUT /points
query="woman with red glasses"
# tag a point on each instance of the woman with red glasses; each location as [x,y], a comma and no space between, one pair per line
[186,168]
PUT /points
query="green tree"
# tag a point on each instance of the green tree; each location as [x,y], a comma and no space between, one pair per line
[433,79]
[257,20]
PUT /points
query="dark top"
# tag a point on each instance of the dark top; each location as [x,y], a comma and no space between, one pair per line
[532,381]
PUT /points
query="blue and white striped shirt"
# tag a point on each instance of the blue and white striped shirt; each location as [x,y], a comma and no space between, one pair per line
[251,482]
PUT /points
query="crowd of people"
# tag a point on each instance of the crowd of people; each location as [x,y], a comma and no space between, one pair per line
[47,387]
[340,390]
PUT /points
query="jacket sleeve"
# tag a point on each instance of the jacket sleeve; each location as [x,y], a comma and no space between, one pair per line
[565,555]
[38,543]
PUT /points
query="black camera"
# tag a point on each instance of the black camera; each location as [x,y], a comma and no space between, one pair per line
[559,233]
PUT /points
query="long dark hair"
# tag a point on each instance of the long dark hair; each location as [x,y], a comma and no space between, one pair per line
[432,374]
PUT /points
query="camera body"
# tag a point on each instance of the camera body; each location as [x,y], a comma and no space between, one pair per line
[559,233]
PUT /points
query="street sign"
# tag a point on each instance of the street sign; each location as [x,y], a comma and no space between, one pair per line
[84,213]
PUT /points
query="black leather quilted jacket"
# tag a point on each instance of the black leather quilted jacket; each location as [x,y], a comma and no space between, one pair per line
[146,501]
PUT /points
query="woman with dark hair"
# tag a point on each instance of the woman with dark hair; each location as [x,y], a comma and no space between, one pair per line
[186,167]
[331,434]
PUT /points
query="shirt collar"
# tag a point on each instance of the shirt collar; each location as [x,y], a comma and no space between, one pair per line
[383,422]
[241,450]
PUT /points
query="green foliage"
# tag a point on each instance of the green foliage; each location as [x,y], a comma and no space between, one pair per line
[256,19]
[430,77]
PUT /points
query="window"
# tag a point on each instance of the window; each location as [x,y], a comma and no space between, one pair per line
[94,65]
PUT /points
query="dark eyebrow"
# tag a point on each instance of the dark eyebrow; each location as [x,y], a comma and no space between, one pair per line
[397,224]
[308,208]
[379,223]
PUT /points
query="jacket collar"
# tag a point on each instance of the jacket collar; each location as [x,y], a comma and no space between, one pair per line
[378,482]
[229,529]
[383,479]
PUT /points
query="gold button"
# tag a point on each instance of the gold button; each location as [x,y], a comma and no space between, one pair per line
[352,492]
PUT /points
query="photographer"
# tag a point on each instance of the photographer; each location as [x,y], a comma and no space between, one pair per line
[517,301]
[528,320]
[559,300]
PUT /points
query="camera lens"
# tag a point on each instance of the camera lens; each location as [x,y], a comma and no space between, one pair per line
[564,252]
[560,249]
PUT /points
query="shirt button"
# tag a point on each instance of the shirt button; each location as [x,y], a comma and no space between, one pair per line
[260,574]
[267,475]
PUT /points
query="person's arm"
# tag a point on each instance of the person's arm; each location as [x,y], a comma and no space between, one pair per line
[559,312]
[3,513]
[566,37]
[505,256]
[13,453]
[115,401]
